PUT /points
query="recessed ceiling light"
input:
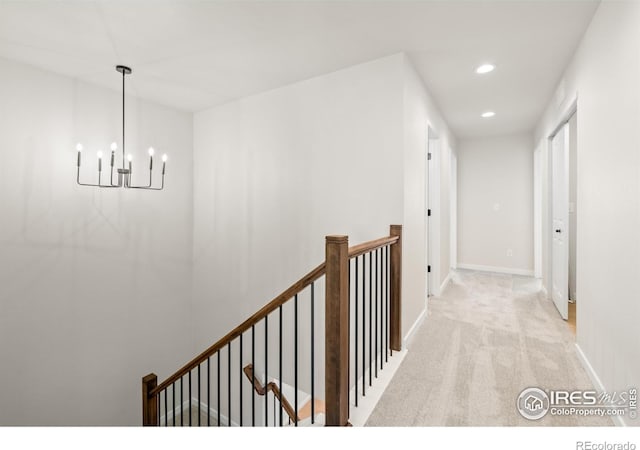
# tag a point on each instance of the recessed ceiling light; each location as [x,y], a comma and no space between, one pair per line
[488,114]
[485,68]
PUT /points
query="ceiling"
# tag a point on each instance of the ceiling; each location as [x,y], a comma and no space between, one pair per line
[196,54]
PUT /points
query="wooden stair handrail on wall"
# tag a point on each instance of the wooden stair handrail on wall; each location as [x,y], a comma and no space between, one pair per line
[271,386]
[336,271]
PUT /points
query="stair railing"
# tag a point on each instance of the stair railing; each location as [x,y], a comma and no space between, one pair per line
[345,328]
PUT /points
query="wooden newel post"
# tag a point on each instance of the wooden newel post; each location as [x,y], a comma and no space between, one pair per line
[337,331]
[149,403]
[396,290]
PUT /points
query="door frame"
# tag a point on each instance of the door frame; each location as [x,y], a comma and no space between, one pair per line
[432,226]
[566,117]
[453,212]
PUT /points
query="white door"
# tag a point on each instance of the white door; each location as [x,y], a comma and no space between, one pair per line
[560,224]
[432,229]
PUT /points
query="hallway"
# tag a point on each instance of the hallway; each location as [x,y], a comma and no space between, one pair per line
[488,337]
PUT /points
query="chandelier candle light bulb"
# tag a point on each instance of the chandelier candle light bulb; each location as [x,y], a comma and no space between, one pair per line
[79,148]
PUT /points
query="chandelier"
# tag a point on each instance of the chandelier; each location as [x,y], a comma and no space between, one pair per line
[125,173]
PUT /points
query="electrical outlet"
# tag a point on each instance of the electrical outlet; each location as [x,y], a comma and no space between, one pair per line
[509,252]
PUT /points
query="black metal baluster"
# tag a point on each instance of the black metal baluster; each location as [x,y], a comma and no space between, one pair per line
[349,327]
[379,325]
[218,393]
[209,391]
[364,324]
[266,370]
[375,322]
[370,317]
[240,383]
[189,398]
[313,375]
[229,384]
[181,401]
[386,305]
[166,413]
[388,299]
[199,412]
[382,309]
[173,395]
[355,335]
[253,375]
[280,359]
[295,354]
[158,410]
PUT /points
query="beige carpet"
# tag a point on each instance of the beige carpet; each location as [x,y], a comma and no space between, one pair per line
[485,339]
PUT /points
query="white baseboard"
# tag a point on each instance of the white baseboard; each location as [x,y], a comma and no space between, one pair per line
[545,293]
[597,383]
[406,342]
[507,270]
[179,409]
[445,282]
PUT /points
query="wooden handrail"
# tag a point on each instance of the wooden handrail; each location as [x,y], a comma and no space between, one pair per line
[370,246]
[271,386]
[273,305]
[244,326]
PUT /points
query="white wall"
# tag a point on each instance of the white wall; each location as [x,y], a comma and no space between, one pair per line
[453,212]
[604,76]
[443,215]
[538,170]
[495,204]
[94,284]
[277,172]
[420,113]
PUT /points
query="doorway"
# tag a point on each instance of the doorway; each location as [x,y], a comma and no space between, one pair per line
[563,184]
[573,219]
[432,206]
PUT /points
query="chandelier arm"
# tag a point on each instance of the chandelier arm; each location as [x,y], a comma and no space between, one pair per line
[92,184]
[141,187]
[149,188]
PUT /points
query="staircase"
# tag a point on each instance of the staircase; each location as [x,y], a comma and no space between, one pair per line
[268,371]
